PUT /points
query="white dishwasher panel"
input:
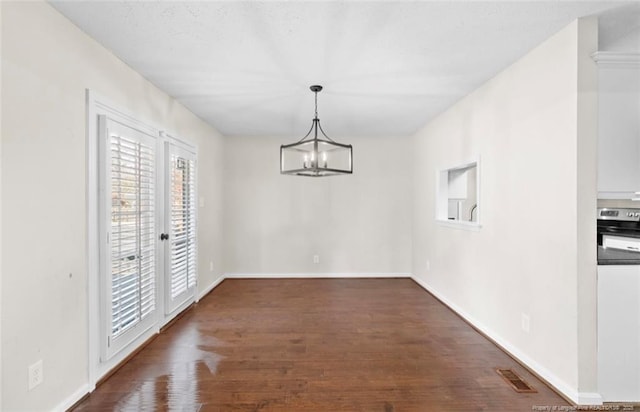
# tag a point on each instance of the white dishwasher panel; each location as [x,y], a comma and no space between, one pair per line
[619,333]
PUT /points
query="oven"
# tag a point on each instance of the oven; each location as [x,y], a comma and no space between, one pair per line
[618,236]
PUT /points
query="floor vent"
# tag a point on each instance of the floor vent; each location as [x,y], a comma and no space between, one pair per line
[516,382]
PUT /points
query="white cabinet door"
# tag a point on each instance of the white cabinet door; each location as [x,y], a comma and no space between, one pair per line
[619,333]
[619,132]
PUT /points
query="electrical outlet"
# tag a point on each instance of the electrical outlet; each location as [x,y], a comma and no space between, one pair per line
[525,322]
[316,258]
[428,266]
[211,266]
[201,202]
[36,376]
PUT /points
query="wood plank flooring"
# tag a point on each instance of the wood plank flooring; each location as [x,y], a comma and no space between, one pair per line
[318,345]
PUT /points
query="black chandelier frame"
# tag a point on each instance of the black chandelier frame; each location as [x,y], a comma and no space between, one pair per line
[311,147]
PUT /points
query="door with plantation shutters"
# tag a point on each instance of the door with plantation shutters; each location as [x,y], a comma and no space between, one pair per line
[129,255]
[180,220]
[141,231]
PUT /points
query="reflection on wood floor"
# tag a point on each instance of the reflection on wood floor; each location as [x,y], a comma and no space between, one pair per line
[318,345]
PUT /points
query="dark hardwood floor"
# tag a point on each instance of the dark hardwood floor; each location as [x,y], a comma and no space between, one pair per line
[318,345]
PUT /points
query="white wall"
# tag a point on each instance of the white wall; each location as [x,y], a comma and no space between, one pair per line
[1,204]
[357,224]
[587,193]
[47,63]
[538,211]
[210,179]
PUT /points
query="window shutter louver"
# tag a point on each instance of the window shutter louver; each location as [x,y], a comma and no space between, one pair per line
[183,226]
[132,241]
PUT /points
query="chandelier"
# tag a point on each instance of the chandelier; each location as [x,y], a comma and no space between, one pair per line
[316,155]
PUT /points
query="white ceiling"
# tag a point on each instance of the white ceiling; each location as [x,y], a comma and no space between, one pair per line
[387,67]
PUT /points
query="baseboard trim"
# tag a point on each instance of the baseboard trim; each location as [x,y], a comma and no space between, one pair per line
[73,399]
[557,384]
[589,398]
[313,275]
[210,288]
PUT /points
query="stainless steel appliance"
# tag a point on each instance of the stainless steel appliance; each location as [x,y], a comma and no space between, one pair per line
[618,236]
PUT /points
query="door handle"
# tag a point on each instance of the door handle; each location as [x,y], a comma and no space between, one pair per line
[164,236]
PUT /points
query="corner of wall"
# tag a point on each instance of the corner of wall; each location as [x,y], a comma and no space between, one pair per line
[210,287]
[586,201]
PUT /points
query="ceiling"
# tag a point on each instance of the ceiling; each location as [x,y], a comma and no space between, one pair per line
[387,67]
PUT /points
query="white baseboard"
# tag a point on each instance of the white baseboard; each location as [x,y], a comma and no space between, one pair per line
[210,288]
[579,398]
[72,399]
[589,398]
[313,275]
[296,276]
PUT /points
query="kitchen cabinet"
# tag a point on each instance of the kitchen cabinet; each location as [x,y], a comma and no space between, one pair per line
[618,130]
[619,333]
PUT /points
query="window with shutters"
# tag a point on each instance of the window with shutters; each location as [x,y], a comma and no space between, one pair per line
[129,256]
[132,232]
[142,230]
[182,220]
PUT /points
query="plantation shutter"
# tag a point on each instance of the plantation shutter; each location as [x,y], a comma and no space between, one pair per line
[131,238]
[182,221]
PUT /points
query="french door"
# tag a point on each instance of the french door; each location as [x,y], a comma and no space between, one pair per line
[147,231]
[180,248]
